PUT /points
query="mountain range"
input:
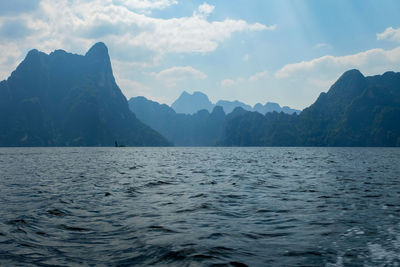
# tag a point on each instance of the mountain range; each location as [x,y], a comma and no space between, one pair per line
[63,99]
[200,129]
[192,103]
[356,111]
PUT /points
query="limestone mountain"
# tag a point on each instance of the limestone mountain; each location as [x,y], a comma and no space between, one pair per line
[199,129]
[356,111]
[192,103]
[64,99]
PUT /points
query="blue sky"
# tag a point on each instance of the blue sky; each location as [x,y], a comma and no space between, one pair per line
[285,51]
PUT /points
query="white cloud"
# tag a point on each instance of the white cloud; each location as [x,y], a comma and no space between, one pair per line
[230,83]
[258,76]
[170,77]
[389,34]
[370,62]
[133,88]
[190,34]
[205,9]
[227,83]
[67,21]
[9,59]
[133,37]
[299,84]
[246,57]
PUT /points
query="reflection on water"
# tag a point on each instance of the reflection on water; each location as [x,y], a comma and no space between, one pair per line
[200,206]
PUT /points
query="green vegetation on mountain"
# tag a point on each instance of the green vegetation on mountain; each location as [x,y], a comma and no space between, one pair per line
[200,129]
[63,99]
[356,111]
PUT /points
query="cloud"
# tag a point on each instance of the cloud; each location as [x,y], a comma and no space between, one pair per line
[9,59]
[389,34]
[205,10]
[246,57]
[231,83]
[227,83]
[133,37]
[258,76]
[133,88]
[299,84]
[191,34]
[170,77]
[114,22]
[371,61]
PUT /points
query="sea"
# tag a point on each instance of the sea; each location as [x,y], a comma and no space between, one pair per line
[200,206]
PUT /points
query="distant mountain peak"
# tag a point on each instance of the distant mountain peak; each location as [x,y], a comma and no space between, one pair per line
[191,103]
[184,93]
[34,53]
[99,59]
[198,93]
[64,99]
[98,50]
[351,75]
[352,72]
[349,84]
[218,110]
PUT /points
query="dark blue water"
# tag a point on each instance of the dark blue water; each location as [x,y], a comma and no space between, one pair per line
[200,206]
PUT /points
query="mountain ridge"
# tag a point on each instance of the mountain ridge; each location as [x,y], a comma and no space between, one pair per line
[191,103]
[64,99]
[356,111]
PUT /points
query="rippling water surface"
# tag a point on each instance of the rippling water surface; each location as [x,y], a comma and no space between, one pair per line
[200,206]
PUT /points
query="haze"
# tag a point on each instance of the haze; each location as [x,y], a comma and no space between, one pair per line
[253,51]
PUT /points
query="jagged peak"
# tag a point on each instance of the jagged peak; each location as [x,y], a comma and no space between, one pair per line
[184,93]
[198,93]
[272,104]
[218,110]
[98,50]
[58,52]
[238,110]
[349,81]
[34,53]
[354,73]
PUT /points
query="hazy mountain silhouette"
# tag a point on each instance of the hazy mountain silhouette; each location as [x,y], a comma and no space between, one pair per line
[200,129]
[192,103]
[356,111]
[229,106]
[63,99]
[274,107]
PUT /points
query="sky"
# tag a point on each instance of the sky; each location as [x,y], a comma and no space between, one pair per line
[254,51]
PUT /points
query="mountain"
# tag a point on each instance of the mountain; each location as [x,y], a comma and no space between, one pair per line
[200,129]
[356,111]
[63,99]
[273,107]
[229,106]
[192,103]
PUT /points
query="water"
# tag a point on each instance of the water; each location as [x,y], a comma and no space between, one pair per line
[200,206]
